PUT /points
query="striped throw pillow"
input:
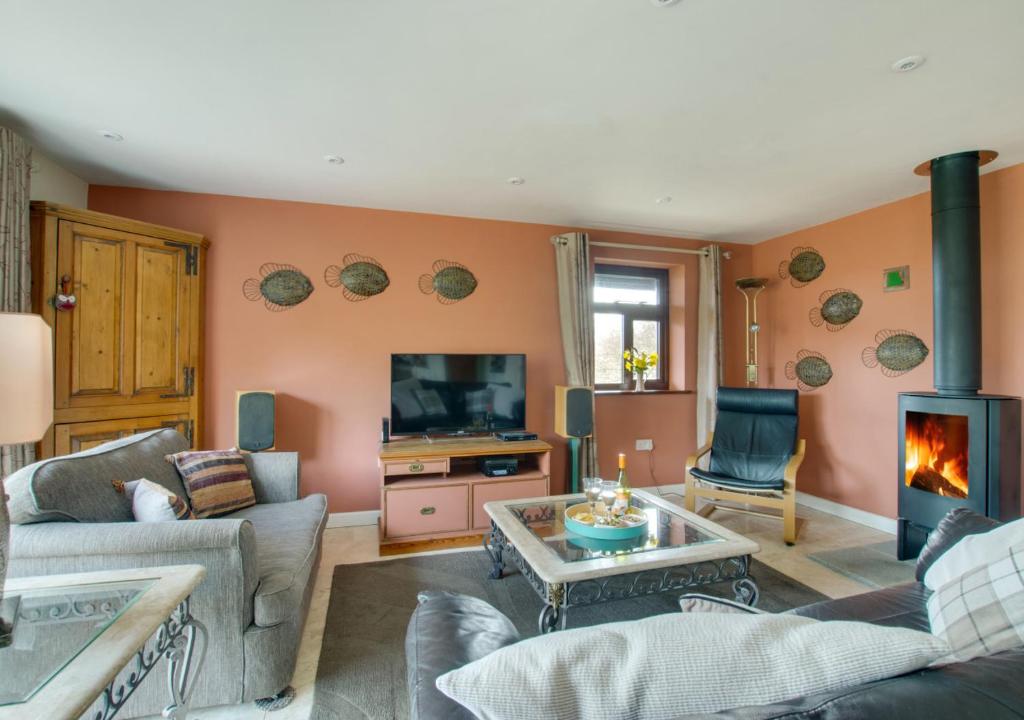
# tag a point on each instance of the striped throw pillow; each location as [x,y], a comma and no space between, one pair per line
[217,481]
[981,612]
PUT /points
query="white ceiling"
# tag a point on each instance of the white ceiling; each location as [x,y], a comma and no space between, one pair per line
[756,116]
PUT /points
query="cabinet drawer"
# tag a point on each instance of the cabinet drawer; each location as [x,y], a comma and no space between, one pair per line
[426,510]
[416,467]
[487,492]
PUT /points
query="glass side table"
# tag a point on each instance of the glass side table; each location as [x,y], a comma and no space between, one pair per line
[82,643]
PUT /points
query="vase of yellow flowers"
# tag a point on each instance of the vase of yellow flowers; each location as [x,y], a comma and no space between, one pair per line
[638,364]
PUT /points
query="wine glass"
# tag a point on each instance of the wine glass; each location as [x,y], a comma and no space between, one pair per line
[608,498]
[592,488]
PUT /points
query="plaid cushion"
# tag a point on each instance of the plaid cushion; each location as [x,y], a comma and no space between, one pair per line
[217,481]
[982,611]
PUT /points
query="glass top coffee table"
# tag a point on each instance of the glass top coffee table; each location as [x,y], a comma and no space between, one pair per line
[680,551]
[82,643]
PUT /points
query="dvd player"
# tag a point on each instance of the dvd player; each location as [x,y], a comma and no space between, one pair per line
[498,466]
[515,435]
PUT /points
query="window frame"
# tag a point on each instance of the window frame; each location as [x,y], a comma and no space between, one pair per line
[631,312]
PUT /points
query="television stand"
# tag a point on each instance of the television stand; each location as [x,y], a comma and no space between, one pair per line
[432,489]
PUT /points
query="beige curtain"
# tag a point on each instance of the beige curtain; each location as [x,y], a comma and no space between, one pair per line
[576,313]
[15,269]
[709,340]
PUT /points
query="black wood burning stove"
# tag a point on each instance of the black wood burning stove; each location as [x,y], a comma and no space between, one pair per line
[955,452]
[957,448]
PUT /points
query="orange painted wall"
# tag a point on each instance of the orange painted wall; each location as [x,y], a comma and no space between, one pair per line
[328,358]
[850,423]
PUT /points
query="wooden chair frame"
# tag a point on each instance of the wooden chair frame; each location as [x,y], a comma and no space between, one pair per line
[784,501]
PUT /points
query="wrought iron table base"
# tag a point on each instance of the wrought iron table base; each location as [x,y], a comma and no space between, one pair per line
[175,640]
[559,597]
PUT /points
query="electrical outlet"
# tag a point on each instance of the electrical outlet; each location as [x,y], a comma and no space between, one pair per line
[644,444]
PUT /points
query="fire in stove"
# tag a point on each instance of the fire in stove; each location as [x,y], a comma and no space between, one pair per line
[937,453]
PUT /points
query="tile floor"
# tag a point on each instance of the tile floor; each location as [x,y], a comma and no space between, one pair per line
[818,531]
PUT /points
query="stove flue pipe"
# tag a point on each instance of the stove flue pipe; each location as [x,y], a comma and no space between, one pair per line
[956,270]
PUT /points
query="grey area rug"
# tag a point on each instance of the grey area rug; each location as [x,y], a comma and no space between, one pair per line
[361,672]
[874,565]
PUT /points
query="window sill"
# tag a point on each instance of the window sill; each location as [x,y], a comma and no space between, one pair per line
[601,393]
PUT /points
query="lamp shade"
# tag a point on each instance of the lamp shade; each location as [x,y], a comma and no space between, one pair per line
[26,378]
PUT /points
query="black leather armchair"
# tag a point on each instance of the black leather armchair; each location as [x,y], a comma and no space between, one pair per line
[755,454]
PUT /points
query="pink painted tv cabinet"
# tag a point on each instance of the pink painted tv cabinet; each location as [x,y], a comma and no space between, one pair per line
[432,490]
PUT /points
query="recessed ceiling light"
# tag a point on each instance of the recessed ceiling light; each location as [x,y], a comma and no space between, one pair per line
[516,180]
[111,135]
[335,159]
[663,3]
[663,200]
[911,62]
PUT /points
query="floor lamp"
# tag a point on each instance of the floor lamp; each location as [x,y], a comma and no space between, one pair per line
[750,288]
[26,396]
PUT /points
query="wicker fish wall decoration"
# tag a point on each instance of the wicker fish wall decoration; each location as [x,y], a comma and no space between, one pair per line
[451,281]
[361,277]
[279,286]
[804,265]
[896,351]
[810,370]
[837,309]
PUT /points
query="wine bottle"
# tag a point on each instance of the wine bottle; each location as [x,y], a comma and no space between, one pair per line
[623,480]
[622,490]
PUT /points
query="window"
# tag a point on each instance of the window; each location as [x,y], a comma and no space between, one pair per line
[630,311]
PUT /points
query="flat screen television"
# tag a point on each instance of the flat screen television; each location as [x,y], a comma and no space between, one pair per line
[443,394]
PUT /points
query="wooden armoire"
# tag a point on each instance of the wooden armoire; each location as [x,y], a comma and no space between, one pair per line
[128,356]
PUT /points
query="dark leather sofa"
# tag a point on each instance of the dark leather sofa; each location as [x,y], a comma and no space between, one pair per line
[447,631]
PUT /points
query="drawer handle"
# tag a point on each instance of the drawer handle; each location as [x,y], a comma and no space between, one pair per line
[428,510]
[415,467]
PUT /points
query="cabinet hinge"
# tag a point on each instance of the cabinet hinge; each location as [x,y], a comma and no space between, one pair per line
[189,376]
[191,256]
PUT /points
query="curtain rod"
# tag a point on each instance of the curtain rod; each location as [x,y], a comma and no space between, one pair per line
[684,251]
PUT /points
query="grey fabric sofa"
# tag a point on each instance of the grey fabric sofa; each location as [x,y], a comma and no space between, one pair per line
[261,561]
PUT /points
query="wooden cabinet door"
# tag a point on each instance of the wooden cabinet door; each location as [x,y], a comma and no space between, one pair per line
[161,293]
[75,437]
[127,339]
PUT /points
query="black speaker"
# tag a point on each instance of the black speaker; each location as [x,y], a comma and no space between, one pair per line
[574,411]
[254,418]
[385,430]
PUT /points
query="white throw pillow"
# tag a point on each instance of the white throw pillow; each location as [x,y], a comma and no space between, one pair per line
[671,665]
[699,603]
[152,502]
[972,551]
[982,611]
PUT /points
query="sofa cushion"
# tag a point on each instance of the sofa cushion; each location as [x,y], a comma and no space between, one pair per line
[897,606]
[717,661]
[217,481]
[79,487]
[447,631]
[981,612]
[287,543]
[958,524]
[152,502]
[973,550]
